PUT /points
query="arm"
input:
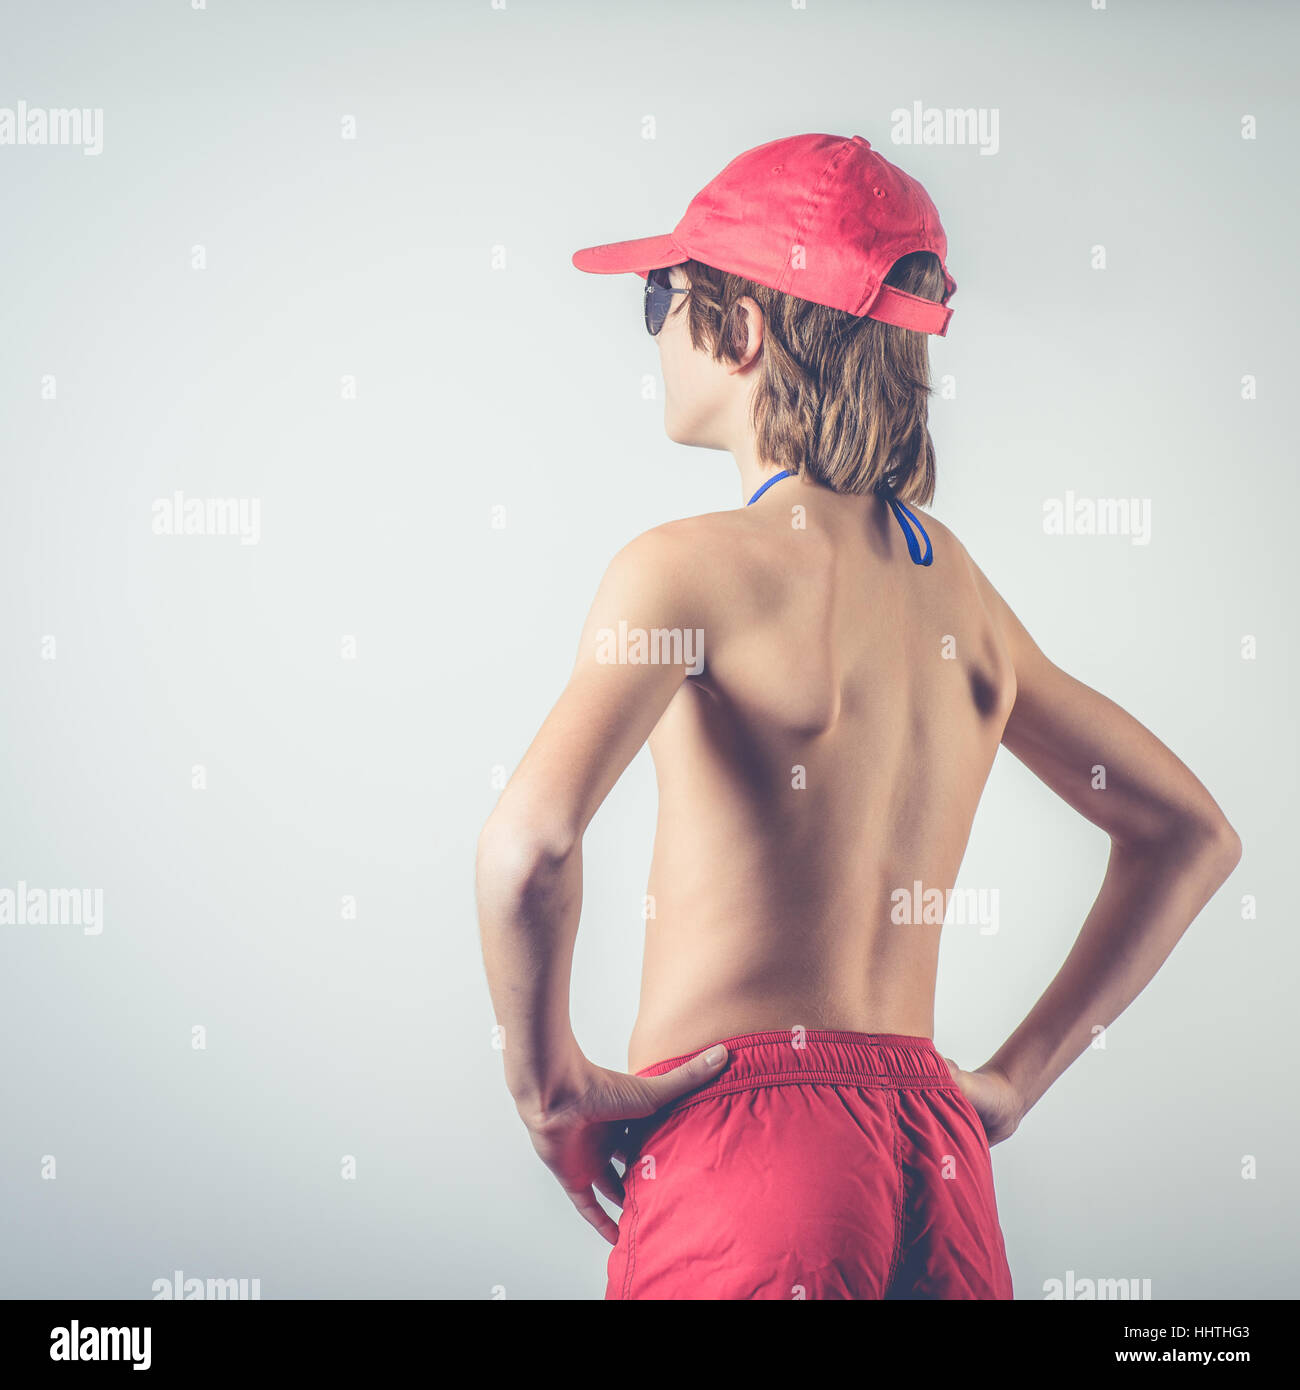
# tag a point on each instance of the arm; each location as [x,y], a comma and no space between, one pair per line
[1171,849]
[529,875]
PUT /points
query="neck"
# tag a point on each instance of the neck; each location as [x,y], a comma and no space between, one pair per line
[754,471]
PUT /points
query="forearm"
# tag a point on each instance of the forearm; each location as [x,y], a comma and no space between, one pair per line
[1148,898]
[529,901]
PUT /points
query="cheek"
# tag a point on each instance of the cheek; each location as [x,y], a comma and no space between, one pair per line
[680,369]
[680,393]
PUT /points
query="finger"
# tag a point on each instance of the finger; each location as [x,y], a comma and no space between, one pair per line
[620,1144]
[593,1213]
[701,1068]
[610,1182]
[952,1067]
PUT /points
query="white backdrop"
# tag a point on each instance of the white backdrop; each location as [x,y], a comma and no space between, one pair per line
[321,263]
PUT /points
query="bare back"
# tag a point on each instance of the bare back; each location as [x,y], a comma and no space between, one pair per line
[832,753]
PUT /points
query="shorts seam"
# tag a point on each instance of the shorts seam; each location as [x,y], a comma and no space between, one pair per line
[630,1190]
[896,1259]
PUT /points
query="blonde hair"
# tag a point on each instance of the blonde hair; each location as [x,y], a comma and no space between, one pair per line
[842,399]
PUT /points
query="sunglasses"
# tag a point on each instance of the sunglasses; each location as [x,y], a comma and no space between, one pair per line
[658,299]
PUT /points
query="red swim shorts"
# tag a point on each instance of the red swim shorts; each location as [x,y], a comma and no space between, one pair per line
[816,1165]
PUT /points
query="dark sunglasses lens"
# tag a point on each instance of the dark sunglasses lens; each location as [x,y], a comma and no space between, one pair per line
[657,300]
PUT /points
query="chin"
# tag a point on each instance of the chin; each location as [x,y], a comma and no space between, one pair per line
[677,432]
[686,432]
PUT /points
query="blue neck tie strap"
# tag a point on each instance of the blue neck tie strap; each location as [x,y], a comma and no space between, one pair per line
[903,515]
[913,549]
[775,478]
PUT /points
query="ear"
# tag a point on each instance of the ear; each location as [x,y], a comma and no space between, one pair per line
[749,323]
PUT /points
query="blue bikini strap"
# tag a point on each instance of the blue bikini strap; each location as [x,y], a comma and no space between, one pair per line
[902,514]
[913,549]
[775,478]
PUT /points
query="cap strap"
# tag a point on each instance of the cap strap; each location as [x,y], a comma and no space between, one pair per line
[904,310]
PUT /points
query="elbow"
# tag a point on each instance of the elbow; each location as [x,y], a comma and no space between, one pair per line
[517,854]
[1227,847]
[1204,840]
[1213,840]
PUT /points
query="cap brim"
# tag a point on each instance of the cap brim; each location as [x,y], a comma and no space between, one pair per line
[619,257]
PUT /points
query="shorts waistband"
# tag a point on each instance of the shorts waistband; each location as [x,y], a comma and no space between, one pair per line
[809,1056]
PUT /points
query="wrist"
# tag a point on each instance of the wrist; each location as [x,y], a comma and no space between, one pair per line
[540,1094]
[1017,1095]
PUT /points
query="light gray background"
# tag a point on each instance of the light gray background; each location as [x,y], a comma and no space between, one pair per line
[523,387]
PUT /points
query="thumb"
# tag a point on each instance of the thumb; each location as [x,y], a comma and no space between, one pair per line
[953,1068]
[701,1068]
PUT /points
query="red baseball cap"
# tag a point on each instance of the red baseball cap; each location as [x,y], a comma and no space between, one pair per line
[821,217]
